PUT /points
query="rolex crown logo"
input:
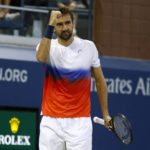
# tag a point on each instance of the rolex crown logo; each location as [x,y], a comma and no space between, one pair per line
[14,124]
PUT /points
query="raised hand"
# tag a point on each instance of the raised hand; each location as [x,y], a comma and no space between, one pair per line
[53,17]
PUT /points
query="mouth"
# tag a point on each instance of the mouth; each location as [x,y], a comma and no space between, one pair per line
[65,35]
[65,32]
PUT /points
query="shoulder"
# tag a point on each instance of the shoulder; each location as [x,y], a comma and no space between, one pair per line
[53,41]
[86,42]
[54,44]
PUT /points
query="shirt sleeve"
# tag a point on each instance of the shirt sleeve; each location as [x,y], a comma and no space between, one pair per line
[37,47]
[95,58]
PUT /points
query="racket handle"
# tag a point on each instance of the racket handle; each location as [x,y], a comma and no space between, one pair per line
[98,120]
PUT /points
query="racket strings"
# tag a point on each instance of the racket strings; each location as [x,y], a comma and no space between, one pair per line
[122,129]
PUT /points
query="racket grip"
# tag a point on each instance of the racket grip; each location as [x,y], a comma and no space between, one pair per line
[98,120]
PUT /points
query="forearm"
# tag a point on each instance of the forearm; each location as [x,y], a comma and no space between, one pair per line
[45,44]
[43,50]
[103,97]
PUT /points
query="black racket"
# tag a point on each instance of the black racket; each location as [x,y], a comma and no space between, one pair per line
[120,126]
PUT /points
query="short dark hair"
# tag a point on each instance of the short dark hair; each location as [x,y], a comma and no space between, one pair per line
[65,11]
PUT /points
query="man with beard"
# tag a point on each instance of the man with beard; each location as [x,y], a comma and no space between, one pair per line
[68,62]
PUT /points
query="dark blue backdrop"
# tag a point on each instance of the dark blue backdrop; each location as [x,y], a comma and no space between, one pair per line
[129,92]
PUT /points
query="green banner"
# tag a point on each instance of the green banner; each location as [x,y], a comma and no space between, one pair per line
[18,129]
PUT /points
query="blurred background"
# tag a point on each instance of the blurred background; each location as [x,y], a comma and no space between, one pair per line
[118,27]
[121,32]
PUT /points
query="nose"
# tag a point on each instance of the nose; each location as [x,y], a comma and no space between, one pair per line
[64,27]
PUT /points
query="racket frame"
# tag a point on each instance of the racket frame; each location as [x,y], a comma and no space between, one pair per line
[112,122]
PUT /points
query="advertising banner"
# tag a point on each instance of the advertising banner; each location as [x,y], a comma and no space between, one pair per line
[128,83]
[18,129]
[20,83]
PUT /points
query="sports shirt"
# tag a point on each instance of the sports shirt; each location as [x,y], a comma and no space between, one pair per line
[67,82]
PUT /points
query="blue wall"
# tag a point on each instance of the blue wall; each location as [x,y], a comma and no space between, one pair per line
[129,92]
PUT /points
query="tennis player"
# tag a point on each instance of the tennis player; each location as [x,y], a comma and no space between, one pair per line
[68,62]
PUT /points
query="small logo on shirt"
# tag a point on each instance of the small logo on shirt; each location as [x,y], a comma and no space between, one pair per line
[79,50]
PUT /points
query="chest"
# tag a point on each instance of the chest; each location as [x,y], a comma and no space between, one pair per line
[71,58]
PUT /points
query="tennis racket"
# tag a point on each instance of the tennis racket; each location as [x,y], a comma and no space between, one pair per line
[120,126]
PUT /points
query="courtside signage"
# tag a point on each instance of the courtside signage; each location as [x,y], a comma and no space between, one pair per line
[18,129]
[13,75]
[138,86]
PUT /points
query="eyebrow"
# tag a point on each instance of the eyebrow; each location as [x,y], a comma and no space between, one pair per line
[61,23]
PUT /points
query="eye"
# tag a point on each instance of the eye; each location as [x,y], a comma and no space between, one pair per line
[59,24]
[68,22]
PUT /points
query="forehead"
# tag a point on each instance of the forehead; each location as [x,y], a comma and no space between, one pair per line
[63,18]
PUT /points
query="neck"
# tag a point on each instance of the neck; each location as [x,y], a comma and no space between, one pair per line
[64,42]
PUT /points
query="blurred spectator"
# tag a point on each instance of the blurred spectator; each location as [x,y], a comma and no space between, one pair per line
[4,11]
[70,4]
[35,21]
[85,3]
[37,2]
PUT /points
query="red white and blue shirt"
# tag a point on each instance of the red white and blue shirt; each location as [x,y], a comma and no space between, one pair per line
[66,92]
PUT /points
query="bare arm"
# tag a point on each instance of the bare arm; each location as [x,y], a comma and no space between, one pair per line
[45,43]
[102,93]
[43,50]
